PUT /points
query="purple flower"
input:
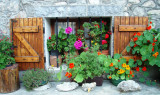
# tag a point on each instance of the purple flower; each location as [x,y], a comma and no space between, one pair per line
[68,30]
[78,44]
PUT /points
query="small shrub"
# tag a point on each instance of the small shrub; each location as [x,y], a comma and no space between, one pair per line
[35,78]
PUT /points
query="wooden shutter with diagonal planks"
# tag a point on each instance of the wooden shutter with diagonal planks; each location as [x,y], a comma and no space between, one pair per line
[28,39]
[124,29]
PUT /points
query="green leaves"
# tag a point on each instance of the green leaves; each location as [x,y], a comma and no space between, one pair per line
[131,43]
[131,62]
[139,62]
[128,48]
[117,56]
[79,78]
[142,79]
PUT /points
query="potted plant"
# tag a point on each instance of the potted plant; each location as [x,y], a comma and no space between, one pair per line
[9,78]
[95,33]
[35,78]
[57,49]
[146,45]
[118,69]
[88,65]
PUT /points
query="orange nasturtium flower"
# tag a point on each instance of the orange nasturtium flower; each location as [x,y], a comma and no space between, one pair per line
[149,27]
[99,53]
[110,77]
[111,65]
[70,75]
[66,74]
[71,65]
[130,73]
[153,44]
[135,39]
[124,65]
[127,67]
[139,34]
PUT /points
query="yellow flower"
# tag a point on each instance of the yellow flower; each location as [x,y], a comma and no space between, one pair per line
[86,45]
[124,65]
[52,65]
[127,67]
[91,41]
[121,71]
[95,44]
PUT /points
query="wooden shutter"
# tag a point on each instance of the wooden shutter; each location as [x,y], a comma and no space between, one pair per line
[124,28]
[28,42]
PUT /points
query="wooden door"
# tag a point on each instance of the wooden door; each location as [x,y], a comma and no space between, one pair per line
[28,41]
[124,29]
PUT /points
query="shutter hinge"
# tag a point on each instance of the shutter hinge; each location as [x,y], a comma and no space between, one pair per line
[44,59]
[43,30]
[112,29]
[13,20]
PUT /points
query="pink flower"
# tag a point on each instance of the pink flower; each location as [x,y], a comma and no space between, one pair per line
[104,42]
[86,48]
[68,30]
[78,44]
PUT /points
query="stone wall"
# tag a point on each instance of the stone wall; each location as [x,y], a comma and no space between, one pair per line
[76,8]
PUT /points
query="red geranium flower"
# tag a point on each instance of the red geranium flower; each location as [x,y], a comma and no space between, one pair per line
[49,38]
[135,39]
[153,44]
[144,69]
[149,27]
[104,42]
[154,40]
[96,25]
[106,36]
[104,22]
[137,69]
[150,22]
[153,49]
[139,34]
[118,60]
[71,65]
[79,39]
[132,75]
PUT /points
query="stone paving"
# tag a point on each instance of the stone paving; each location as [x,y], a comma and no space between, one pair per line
[106,89]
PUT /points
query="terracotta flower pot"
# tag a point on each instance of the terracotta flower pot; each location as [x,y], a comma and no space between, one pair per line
[53,60]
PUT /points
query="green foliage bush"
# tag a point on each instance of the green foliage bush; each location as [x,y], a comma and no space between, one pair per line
[6,51]
[36,77]
[87,65]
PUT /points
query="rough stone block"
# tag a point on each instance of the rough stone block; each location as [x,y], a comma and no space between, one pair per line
[134,1]
[76,11]
[149,4]
[106,1]
[154,12]
[77,2]
[96,2]
[109,10]
[139,11]
[119,2]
